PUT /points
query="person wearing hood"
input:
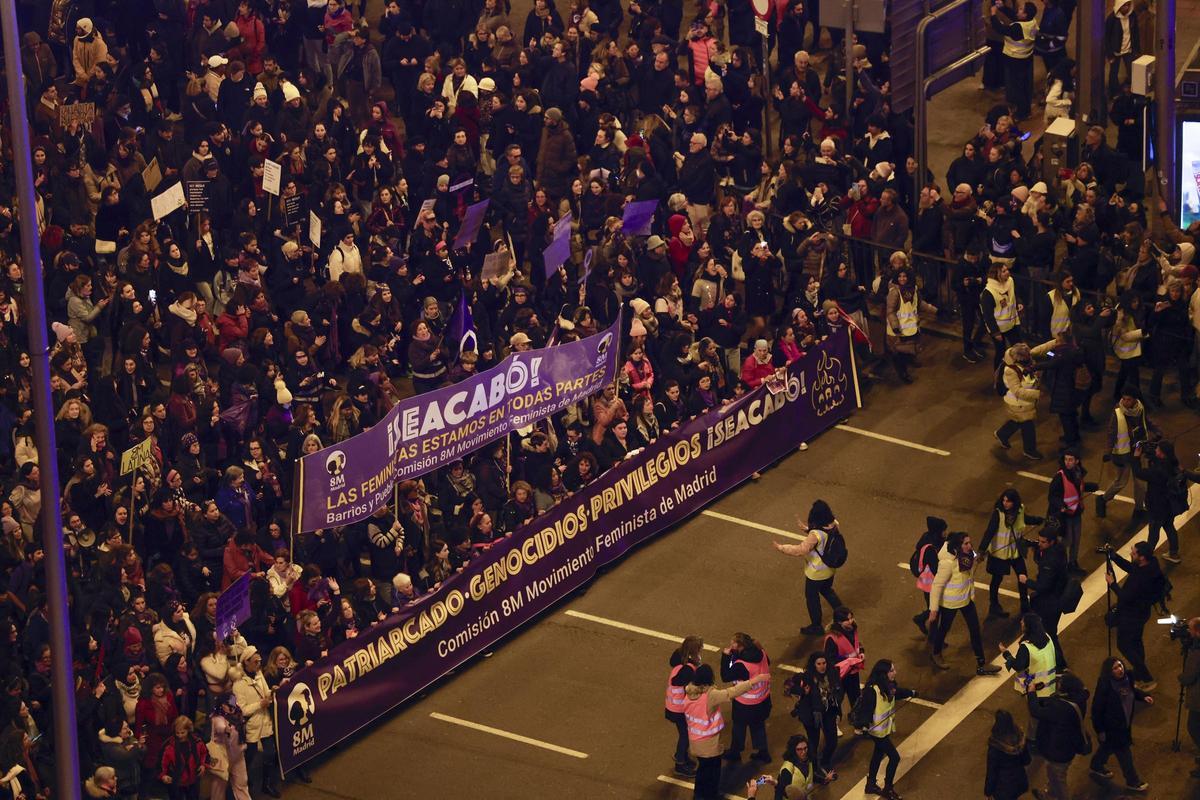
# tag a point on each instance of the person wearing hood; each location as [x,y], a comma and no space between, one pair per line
[923,563]
[904,307]
[818,576]
[702,711]
[743,660]
[1007,758]
[953,591]
[1060,734]
[1022,390]
[1122,44]
[88,51]
[1113,707]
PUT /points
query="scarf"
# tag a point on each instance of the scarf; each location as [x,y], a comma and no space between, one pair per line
[161,706]
[185,314]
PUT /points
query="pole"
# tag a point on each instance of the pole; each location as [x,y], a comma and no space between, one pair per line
[66,753]
[848,42]
[1164,102]
[133,476]
[1089,49]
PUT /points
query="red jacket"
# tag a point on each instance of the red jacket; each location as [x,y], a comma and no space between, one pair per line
[183,764]
[754,373]
[254,42]
[232,329]
[236,564]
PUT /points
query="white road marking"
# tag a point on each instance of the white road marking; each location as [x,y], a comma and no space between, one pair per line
[892,439]
[978,584]
[516,737]
[921,741]
[920,701]
[625,626]
[1044,479]
[758,526]
[690,785]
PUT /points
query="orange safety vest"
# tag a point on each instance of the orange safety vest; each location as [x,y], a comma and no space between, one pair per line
[676,695]
[701,724]
[761,691]
[1070,494]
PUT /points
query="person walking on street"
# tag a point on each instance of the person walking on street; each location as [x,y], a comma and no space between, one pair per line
[903,318]
[1189,680]
[1113,706]
[954,592]
[1048,586]
[1022,389]
[1144,586]
[1166,493]
[844,650]
[1003,541]
[1000,311]
[705,723]
[1128,425]
[1065,503]
[818,575]
[683,664]
[924,561]
[1007,758]
[818,692]
[1060,734]
[878,714]
[1034,661]
[741,661]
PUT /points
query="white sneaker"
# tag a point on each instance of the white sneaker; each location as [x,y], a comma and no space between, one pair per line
[839,731]
[803,446]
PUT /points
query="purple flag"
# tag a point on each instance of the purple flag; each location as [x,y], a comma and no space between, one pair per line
[472,221]
[673,478]
[559,249]
[233,606]
[462,325]
[636,219]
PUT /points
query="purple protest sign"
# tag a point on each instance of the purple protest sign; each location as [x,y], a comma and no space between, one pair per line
[559,249]
[636,219]
[346,482]
[233,606]
[522,576]
[472,221]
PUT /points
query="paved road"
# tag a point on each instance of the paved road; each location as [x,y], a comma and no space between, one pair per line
[590,692]
[584,685]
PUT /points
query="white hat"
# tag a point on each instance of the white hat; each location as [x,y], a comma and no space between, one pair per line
[84,24]
[290,92]
[250,650]
[1040,188]
[487,85]
[217,61]
[259,90]
[282,395]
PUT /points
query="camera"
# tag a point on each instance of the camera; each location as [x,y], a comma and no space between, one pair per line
[1177,629]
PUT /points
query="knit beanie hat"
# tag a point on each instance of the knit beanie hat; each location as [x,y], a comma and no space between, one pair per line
[61,331]
[282,395]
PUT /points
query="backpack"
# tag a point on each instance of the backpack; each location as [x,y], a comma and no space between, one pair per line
[1084,747]
[1177,492]
[861,715]
[1071,596]
[998,381]
[835,553]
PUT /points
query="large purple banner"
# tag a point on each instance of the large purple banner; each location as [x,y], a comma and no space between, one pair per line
[344,483]
[524,575]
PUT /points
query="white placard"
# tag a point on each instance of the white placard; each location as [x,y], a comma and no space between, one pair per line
[762,26]
[314,228]
[272,173]
[163,204]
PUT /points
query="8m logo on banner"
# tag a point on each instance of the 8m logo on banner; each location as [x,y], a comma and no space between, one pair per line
[300,710]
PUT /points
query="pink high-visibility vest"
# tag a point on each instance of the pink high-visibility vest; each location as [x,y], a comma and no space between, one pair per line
[1070,493]
[761,691]
[676,695]
[701,724]
[925,577]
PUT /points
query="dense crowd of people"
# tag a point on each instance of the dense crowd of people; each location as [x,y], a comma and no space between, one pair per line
[312,277]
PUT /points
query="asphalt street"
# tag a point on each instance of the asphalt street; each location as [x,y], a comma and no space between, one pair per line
[572,706]
[583,685]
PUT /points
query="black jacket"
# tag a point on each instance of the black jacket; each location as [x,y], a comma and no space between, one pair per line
[1006,778]
[1060,729]
[1142,589]
[1108,713]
